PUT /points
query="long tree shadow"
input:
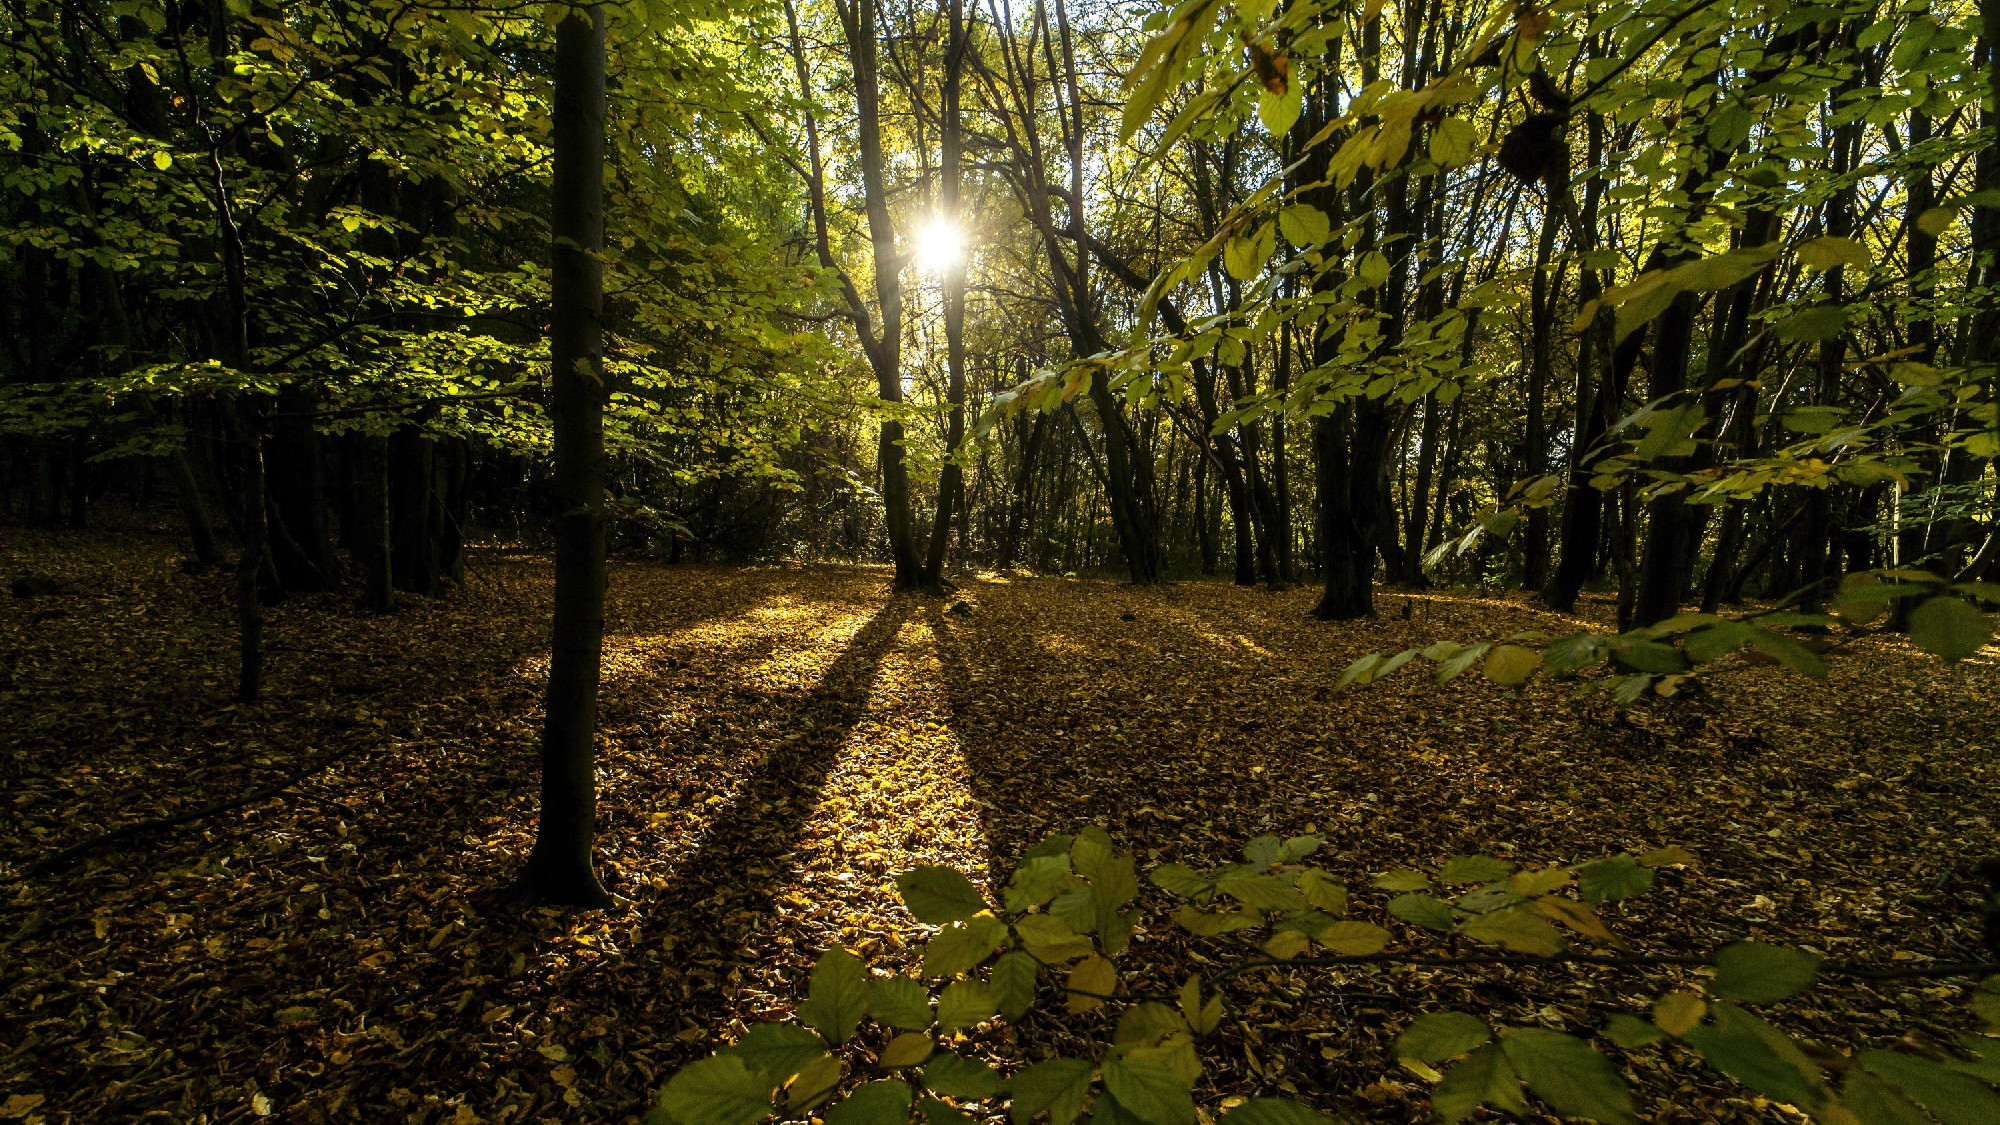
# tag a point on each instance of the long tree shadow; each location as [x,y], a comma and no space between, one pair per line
[719,893]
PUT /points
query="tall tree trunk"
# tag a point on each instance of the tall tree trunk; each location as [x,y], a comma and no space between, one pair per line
[1534,454]
[951,481]
[858,21]
[1598,401]
[559,868]
[412,475]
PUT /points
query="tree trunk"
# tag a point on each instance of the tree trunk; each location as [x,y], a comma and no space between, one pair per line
[559,868]
[372,552]
[1542,290]
[951,480]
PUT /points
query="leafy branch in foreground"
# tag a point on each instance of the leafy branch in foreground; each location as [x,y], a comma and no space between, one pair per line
[1944,620]
[1067,917]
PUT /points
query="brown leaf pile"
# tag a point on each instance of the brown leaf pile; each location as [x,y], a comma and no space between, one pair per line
[777,743]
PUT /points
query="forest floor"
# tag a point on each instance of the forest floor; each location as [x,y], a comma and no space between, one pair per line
[779,742]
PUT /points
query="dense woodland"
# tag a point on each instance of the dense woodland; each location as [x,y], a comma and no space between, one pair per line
[545,371]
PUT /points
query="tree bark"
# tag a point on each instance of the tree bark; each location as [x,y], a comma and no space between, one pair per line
[951,480]
[559,868]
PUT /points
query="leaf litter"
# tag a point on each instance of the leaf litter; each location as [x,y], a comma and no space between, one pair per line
[778,744]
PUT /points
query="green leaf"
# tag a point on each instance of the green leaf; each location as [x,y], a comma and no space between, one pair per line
[1179,880]
[1759,1056]
[1518,929]
[1149,1090]
[1354,939]
[1056,1085]
[1438,1036]
[1146,1024]
[1263,851]
[1372,270]
[1091,847]
[718,1090]
[1475,869]
[1876,1102]
[1401,879]
[1056,844]
[940,1113]
[956,1076]
[1759,973]
[885,1101]
[1279,111]
[962,945]
[1566,1073]
[1715,641]
[1299,847]
[1322,891]
[163,160]
[1788,652]
[1612,880]
[1631,1032]
[1262,892]
[939,895]
[1566,656]
[1244,257]
[1455,665]
[1950,627]
[1512,665]
[1952,1098]
[899,1002]
[1077,907]
[1014,977]
[1303,225]
[1036,881]
[1821,322]
[1937,220]
[778,1050]
[1830,251]
[1285,945]
[1202,923]
[1648,656]
[907,1049]
[1423,910]
[1274,1111]
[1452,142]
[813,1084]
[1484,1078]
[837,996]
[965,1003]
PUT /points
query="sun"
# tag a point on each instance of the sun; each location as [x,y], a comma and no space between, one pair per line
[939,247]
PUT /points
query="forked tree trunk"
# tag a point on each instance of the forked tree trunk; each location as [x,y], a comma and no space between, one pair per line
[559,868]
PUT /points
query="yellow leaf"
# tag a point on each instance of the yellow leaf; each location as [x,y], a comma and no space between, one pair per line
[1354,939]
[1512,665]
[1285,945]
[1528,884]
[1678,1012]
[1090,982]
[1577,916]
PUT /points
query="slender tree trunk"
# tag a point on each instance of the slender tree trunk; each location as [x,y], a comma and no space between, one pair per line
[1534,454]
[859,21]
[951,481]
[559,868]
